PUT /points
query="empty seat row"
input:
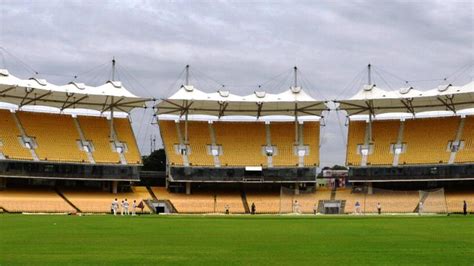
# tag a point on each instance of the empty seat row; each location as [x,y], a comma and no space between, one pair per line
[421,141]
[55,137]
[239,143]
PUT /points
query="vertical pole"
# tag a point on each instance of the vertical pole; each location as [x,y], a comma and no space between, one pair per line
[187,75]
[296,106]
[186,114]
[112,133]
[370,127]
[113,68]
[296,124]
[296,76]
[186,126]
[369,74]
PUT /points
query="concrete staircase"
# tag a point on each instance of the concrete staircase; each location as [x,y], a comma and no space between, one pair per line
[245,203]
[67,200]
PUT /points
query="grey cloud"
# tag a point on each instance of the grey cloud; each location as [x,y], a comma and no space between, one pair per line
[240,44]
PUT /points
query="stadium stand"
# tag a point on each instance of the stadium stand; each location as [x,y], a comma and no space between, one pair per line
[425,145]
[308,200]
[199,139]
[356,137]
[466,155]
[384,133]
[283,137]
[391,201]
[95,201]
[265,201]
[34,200]
[241,143]
[202,201]
[455,198]
[125,135]
[11,146]
[238,149]
[64,145]
[230,199]
[52,144]
[311,138]
[170,139]
[97,130]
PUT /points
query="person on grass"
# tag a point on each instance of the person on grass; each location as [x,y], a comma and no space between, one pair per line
[121,208]
[125,206]
[464,208]
[420,208]
[115,206]
[379,208]
[357,207]
[296,207]
[134,206]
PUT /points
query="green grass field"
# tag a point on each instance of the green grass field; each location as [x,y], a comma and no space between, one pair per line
[235,240]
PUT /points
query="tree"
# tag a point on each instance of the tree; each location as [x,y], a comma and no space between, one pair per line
[156,161]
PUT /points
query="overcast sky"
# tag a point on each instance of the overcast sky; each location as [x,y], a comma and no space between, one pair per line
[241,44]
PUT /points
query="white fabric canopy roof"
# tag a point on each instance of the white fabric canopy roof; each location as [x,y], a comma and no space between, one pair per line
[373,100]
[222,103]
[35,91]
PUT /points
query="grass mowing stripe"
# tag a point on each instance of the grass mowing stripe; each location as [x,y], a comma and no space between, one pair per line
[235,240]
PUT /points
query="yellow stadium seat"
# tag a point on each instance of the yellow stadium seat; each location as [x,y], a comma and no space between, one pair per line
[202,201]
[423,145]
[283,137]
[384,133]
[95,201]
[33,200]
[9,136]
[97,130]
[466,155]
[124,131]
[241,142]
[455,200]
[427,140]
[356,136]
[170,138]
[54,143]
[199,138]
[311,138]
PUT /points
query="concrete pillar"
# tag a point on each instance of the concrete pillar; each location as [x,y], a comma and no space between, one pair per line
[370,189]
[114,187]
[188,188]
[297,188]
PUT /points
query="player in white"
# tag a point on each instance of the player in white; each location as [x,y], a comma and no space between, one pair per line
[115,206]
[357,208]
[296,207]
[420,208]
[134,206]
[121,208]
[125,206]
